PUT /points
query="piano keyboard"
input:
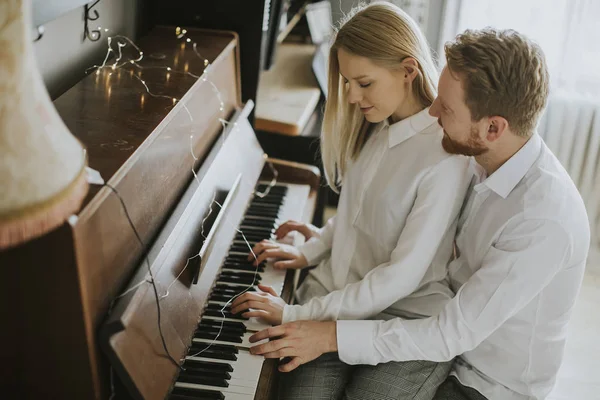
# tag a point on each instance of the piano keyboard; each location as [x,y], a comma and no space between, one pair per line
[226,369]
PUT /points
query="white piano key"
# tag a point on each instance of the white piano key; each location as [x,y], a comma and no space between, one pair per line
[244,378]
[246,367]
[242,391]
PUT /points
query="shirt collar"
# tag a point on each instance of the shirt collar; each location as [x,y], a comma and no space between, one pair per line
[506,178]
[408,127]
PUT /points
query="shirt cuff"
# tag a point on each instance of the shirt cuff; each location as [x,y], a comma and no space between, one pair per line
[293,313]
[313,250]
[355,341]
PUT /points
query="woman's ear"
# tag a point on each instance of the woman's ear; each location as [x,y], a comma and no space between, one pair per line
[411,69]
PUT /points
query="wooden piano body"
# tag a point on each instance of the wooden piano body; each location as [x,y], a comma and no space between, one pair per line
[61,287]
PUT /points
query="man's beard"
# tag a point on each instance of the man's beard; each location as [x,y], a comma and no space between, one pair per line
[473,147]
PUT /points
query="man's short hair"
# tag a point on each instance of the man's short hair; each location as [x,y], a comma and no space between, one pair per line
[503,73]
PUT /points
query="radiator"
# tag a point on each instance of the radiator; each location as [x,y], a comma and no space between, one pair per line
[570,127]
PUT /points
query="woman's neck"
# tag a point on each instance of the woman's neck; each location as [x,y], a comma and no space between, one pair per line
[410,107]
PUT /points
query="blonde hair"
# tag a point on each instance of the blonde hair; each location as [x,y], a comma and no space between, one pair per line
[386,35]
[503,73]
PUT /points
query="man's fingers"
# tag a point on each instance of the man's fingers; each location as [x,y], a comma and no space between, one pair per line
[285,352]
[271,332]
[273,345]
[291,365]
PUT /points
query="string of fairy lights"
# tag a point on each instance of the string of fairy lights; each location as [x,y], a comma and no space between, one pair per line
[115,66]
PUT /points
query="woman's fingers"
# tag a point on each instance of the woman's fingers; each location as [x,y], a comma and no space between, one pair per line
[260,247]
[268,289]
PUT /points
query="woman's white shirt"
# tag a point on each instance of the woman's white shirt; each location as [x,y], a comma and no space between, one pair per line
[388,247]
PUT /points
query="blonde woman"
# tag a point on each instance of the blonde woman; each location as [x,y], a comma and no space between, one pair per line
[385,253]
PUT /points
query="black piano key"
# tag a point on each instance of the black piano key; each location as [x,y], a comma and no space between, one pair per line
[215,366]
[212,306]
[251,237]
[240,248]
[223,336]
[228,288]
[222,299]
[263,208]
[257,229]
[239,280]
[247,266]
[223,314]
[202,371]
[261,187]
[183,397]
[209,353]
[233,325]
[218,347]
[242,264]
[229,293]
[217,330]
[202,380]
[246,277]
[250,274]
[277,203]
[207,349]
[197,393]
[264,205]
[240,258]
[224,329]
[263,224]
[262,212]
[251,218]
[189,393]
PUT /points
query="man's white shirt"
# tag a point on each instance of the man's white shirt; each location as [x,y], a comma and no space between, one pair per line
[522,246]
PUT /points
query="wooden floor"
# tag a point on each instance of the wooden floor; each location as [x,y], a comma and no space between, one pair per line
[579,377]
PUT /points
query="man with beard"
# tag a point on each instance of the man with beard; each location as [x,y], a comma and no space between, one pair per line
[520,250]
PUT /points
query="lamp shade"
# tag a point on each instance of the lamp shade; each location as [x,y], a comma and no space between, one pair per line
[42,165]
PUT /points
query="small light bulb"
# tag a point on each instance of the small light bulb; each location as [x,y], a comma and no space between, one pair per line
[174,100]
[168,68]
[106,30]
[184,31]
[188,40]
[131,61]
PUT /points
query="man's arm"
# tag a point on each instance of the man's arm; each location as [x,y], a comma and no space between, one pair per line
[525,259]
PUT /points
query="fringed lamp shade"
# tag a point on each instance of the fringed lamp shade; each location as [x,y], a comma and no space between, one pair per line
[42,166]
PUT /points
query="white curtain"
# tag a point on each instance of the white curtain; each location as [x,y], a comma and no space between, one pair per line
[567,31]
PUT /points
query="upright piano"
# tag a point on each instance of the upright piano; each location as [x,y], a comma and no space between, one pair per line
[188,190]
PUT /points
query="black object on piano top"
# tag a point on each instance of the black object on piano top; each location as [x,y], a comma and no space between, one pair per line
[218,324]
